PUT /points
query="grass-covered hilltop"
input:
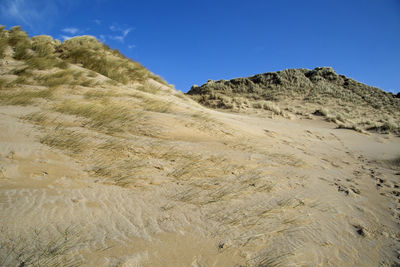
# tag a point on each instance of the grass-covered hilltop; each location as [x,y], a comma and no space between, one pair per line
[43,53]
[302,92]
[103,163]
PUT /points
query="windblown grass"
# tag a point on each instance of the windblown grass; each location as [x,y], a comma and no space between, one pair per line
[20,41]
[149,88]
[40,118]
[65,77]
[24,97]
[3,83]
[156,106]
[38,249]
[65,139]
[108,116]
[270,106]
[99,94]
[42,52]
[93,55]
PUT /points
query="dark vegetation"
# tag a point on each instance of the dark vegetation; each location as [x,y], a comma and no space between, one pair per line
[321,88]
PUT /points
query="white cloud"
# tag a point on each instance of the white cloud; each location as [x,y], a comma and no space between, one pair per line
[131,46]
[66,37]
[70,30]
[97,21]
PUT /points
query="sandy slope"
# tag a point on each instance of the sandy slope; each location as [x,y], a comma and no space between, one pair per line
[256,191]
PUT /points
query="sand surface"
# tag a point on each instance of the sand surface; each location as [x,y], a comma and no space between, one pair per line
[239,190]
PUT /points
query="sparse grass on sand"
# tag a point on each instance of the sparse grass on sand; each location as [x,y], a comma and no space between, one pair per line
[103,116]
[40,249]
[65,139]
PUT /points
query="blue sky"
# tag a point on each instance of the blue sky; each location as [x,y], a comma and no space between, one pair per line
[189,42]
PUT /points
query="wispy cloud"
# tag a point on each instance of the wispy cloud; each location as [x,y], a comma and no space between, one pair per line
[131,46]
[70,30]
[97,21]
[123,32]
[20,10]
[38,15]
[114,28]
[102,38]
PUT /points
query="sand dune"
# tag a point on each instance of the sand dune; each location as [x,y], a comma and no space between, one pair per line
[102,163]
[278,192]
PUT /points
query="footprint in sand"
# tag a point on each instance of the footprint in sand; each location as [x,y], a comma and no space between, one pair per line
[360,230]
[346,190]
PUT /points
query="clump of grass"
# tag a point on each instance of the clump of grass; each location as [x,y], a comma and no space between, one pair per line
[43,45]
[3,83]
[149,88]
[20,41]
[384,128]
[181,95]
[321,112]
[121,172]
[98,94]
[43,63]
[350,127]
[340,117]
[65,139]
[39,249]
[268,105]
[3,41]
[24,97]
[36,117]
[21,80]
[110,117]
[156,106]
[64,77]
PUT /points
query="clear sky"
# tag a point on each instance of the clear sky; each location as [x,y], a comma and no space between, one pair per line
[189,42]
